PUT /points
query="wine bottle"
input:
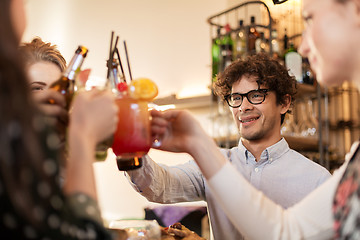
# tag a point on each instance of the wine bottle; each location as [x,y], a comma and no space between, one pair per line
[240,42]
[216,60]
[216,55]
[286,41]
[253,34]
[261,45]
[66,84]
[293,62]
[275,44]
[226,48]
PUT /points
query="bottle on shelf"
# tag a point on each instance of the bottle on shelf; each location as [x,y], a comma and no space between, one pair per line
[226,48]
[293,62]
[253,34]
[285,41]
[66,84]
[275,44]
[216,54]
[308,76]
[261,44]
[240,48]
[216,60]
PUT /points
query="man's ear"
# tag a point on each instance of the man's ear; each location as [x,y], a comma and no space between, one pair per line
[286,103]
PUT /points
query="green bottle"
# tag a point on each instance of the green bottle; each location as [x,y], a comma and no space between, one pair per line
[226,48]
[216,55]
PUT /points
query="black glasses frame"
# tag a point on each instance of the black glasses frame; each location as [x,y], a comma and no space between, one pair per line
[242,95]
[279,1]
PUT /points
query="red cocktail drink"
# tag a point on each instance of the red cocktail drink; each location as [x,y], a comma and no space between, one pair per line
[132,138]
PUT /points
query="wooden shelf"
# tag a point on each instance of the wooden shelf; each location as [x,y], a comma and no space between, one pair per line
[305,89]
[301,144]
[206,100]
[182,103]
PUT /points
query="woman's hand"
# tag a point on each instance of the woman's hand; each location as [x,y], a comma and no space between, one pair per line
[94,113]
[93,118]
[55,111]
[177,130]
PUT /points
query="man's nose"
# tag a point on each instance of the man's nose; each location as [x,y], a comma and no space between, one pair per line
[245,105]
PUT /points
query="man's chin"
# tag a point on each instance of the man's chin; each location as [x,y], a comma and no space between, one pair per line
[252,137]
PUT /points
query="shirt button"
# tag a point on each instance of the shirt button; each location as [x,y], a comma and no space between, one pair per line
[256,169]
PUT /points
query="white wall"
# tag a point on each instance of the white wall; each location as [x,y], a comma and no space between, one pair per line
[168,41]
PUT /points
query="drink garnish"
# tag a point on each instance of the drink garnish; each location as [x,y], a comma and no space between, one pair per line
[143,89]
[122,86]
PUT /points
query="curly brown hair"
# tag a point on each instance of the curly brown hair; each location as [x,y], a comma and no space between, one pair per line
[269,72]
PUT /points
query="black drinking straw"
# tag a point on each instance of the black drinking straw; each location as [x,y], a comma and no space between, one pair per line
[111,43]
[120,63]
[110,53]
[127,60]
[115,47]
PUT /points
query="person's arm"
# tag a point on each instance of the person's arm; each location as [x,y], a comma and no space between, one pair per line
[180,132]
[168,184]
[251,212]
[93,118]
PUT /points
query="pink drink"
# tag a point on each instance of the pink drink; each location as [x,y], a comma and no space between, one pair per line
[132,138]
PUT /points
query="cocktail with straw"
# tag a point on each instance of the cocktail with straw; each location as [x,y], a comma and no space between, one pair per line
[132,138]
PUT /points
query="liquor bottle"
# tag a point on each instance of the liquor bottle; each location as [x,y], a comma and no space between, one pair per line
[240,42]
[286,41]
[261,44]
[216,55]
[253,34]
[66,84]
[293,62]
[216,60]
[308,76]
[226,48]
[275,44]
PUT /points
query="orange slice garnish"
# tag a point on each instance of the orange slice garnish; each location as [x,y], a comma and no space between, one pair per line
[143,89]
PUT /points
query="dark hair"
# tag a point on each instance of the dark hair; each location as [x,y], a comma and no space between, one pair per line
[21,152]
[37,50]
[269,72]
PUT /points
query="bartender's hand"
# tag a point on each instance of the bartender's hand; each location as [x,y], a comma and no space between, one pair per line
[55,111]
[177,130]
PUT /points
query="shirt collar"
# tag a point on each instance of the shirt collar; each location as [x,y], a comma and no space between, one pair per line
[269,154]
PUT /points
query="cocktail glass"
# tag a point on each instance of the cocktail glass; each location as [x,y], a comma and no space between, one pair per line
[132,138]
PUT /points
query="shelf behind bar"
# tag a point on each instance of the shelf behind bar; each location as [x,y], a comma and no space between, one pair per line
[206,100]
[300,144]
[182,103]
[305,89]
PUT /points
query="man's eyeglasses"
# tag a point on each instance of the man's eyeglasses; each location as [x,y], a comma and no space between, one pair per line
[254,97]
